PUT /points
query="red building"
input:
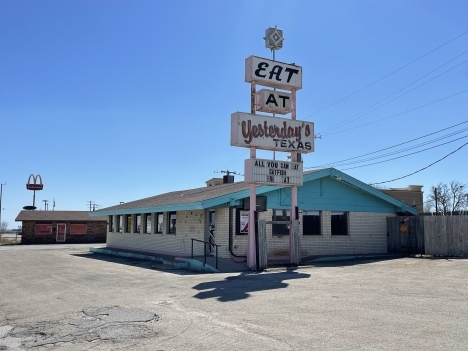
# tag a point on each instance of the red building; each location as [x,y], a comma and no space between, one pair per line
[48,227]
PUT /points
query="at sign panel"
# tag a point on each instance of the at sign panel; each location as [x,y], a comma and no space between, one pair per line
[273,101]
[273,73]
[271,133]
[273,172]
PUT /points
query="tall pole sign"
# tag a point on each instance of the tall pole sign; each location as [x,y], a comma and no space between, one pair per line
[272,133]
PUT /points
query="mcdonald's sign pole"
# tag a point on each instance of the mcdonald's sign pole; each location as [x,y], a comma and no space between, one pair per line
[34,186]
[1,191]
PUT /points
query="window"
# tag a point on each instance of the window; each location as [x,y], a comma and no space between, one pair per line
[136,225]
[78,228]
[159,223]
[111,223]
[147,223]
[280,228]
[339,223]
[128,223]
[171,225]
[311,223]
[242,222]
[118,223]
[43,229]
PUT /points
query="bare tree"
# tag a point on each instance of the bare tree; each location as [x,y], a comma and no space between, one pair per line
[427,206]
[3,226]
[447,198]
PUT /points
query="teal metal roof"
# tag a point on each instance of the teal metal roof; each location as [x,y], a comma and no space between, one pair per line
[231,194]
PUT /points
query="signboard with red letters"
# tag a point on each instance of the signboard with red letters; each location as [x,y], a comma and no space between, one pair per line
[271,133]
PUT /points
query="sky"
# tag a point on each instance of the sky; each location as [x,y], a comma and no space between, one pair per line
[114,101]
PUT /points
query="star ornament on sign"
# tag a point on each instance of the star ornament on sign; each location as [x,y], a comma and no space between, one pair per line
[274,38]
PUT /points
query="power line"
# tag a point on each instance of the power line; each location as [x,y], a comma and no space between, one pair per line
[390,147]
[388,75]
[422,169]
[413,153]
[350,119]
[398,114]
[403,150]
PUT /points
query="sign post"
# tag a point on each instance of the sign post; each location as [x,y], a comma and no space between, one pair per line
[273,133]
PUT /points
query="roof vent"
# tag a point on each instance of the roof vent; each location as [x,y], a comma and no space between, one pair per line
[214,182]
[228,179]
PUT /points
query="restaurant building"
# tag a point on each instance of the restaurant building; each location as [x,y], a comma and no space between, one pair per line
[338,215]
[48,227]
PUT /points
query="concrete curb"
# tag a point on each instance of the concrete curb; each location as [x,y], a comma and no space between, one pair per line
[346,258]
[190,264]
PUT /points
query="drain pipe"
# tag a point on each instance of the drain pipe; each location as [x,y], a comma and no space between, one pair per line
[230,235]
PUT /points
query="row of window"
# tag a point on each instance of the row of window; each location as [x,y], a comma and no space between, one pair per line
[132,223]
[311,222]
[47,229]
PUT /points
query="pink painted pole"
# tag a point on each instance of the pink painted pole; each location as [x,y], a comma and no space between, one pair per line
[292,212]
[251,249]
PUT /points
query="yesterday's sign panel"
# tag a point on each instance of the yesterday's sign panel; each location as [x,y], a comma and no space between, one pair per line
[271,133]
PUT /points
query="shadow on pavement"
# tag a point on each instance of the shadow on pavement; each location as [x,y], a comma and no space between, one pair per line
[134,262]
[351,262]
[238,287]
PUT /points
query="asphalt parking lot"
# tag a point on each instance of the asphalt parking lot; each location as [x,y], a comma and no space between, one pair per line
[62,297]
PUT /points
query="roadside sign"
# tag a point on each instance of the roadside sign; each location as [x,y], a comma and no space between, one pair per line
[271,133]
[273,172]
[273,74]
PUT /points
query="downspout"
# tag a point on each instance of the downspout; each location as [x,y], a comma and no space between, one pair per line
[230,235]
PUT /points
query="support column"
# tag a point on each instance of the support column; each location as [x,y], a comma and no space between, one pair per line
[251,248]
[294,250]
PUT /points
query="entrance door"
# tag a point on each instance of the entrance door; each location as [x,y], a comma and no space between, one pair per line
[61,232]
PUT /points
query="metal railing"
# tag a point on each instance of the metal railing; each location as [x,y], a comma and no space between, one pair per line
[204,250]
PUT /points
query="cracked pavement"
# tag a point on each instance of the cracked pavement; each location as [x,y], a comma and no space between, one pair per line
[116,324]
[69,299]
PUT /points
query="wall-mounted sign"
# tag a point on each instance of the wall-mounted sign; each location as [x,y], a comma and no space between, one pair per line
[273,172]
[273,73]
[273,101]
[35,185]
[244,222]
[271,133]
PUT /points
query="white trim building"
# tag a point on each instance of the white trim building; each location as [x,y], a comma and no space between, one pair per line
[338,215]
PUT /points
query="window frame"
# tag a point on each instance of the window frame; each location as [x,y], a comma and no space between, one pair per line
[158,229]
[118,223]
[344,220]
[136,224]
[145,223]
[72,225]
[285,228]
[127,224]
[111,224]
[168,229]
[306,214]
[49,226]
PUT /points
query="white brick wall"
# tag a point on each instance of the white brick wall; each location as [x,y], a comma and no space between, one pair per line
[367,235]
[190,224]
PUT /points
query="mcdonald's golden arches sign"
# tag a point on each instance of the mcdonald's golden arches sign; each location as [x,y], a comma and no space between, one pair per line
[36,184]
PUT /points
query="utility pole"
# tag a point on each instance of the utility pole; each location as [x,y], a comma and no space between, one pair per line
[91,203]
[45,204]
[1,190]
[436,202]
